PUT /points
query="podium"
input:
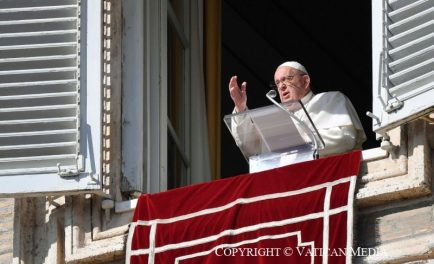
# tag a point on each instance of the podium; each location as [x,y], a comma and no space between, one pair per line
[275,135]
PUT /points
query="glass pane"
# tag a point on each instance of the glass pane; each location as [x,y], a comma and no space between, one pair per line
[177,6]
[175,80]
[176,107]
[175,166]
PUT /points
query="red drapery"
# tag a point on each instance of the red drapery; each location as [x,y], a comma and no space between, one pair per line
[300,213]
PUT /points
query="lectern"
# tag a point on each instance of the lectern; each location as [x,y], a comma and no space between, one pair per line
[275,136]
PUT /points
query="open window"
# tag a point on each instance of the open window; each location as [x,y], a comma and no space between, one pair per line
[403,61]
[155,141]
[164,133]
[50,96]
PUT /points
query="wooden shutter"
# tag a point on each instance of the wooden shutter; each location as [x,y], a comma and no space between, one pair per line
[403,59]
[41,84]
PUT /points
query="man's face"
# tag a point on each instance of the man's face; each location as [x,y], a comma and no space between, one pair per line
[291,84]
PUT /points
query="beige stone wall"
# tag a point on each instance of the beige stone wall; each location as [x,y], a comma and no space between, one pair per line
[401,231]
[396,203]
[6,229]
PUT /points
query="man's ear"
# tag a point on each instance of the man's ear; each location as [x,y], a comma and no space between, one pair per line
[306,79]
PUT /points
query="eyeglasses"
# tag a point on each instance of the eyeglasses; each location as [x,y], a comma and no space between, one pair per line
[285,79]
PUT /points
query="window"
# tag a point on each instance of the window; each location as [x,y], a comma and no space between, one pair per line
[154,139]
[403,61]
[161,86]
[177,96]
[50,94]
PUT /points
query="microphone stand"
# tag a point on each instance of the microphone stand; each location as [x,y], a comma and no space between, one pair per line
[272,94]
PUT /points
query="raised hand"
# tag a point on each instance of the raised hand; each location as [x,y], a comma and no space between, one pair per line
[238,94]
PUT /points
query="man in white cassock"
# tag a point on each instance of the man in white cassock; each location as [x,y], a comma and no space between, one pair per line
[331,112]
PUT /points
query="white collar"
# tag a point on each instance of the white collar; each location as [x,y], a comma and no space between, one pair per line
[306,99]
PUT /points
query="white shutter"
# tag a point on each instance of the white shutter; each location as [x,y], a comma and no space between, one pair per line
[46,144]
[403,61]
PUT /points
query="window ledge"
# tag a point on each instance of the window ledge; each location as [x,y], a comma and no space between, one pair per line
[374,154]
[405,173]
[125,206]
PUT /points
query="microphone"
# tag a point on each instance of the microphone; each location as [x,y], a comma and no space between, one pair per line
[272,94]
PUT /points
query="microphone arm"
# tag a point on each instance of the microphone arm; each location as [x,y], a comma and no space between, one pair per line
[272,94]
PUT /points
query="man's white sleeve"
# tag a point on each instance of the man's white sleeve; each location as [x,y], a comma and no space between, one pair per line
[245,135]
[338,140]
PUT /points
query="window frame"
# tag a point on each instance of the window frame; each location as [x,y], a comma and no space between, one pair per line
[145,73]
[182,141]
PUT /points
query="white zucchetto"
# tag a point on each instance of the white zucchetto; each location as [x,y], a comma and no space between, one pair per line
[295,65]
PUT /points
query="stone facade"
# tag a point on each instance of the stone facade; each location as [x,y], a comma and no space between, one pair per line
[402,231]
[395,200]
[6,229]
